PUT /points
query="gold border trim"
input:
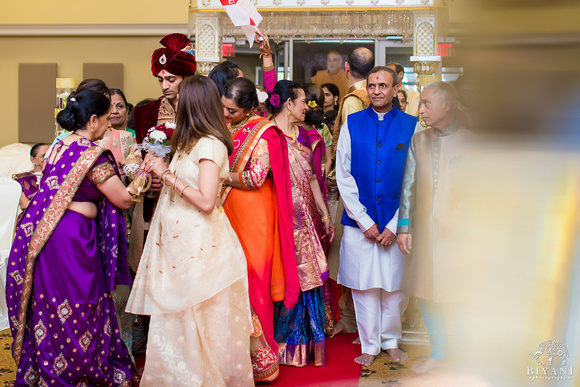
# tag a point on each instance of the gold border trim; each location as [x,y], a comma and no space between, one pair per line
[46,226]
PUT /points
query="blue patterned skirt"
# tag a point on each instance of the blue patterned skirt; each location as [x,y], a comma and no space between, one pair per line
[299,331]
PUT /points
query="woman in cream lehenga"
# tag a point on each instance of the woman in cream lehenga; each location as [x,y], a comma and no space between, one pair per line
[258,202]
[192,277]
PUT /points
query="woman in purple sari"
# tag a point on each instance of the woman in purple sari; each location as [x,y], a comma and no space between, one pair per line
[68,254]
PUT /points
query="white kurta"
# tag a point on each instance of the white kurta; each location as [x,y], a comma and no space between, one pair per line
[363,264]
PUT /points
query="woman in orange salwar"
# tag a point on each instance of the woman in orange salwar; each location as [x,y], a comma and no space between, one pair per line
[258,203]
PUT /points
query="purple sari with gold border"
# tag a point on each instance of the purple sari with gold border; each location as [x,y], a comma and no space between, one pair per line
[61,270]
[28,182]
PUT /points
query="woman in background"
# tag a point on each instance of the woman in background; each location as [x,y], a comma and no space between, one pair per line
[402,97]
[331,96]
[29,180]
[120,111]
[330,119]
[224,72]
[192,278]
[68,254]
[314,119]
[118,139]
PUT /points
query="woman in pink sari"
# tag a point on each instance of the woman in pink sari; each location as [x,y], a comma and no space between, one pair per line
[299,331]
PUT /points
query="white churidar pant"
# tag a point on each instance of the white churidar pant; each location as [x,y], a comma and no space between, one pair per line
[378,318]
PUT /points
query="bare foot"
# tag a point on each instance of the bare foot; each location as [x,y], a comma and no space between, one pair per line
[357,341]
[427,366]
[365,359]
[339,328]
[396,354]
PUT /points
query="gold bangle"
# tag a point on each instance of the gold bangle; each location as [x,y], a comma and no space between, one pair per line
[181,193]
[165,177]
[162,176]
[325,218]
[134,197]
[142,182]
[175,183]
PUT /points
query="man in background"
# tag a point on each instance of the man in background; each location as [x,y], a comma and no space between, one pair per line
[360,61]
[425,224]
[334,73]
[412,95]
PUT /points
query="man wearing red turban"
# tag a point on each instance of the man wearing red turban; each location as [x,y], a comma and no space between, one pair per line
[170,64]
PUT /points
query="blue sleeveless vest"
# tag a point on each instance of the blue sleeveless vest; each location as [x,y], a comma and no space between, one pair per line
[378,156]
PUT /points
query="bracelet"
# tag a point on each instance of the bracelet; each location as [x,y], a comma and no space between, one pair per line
[165,177]
[134,197]
[181,193]
[142,181]
[325,218]
[175,182]
[162,176]
[265,54]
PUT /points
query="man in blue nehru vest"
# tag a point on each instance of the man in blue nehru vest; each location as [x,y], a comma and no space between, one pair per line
[371,155]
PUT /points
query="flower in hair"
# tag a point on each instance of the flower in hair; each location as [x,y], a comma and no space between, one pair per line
[262,95]
[312,104]
[73,99]
[275,100]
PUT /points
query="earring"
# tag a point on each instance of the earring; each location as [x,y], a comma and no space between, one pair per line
[92,129]
[288,113]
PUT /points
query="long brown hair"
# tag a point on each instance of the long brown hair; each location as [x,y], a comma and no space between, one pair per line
[200,114]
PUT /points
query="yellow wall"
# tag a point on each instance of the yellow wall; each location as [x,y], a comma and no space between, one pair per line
[93,12]
[70,53]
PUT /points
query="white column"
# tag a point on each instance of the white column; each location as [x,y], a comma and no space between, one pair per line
[207,41]
[425,61]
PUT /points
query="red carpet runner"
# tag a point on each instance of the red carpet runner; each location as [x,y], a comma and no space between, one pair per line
[340,370]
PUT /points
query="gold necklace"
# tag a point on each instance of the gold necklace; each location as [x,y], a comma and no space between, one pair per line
[293,136]
[235,127]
